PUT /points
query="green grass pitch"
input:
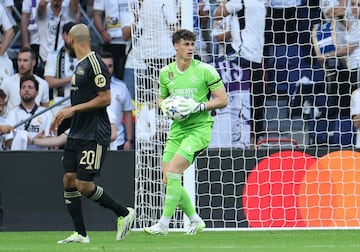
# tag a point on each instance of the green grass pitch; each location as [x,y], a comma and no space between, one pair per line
[137,241]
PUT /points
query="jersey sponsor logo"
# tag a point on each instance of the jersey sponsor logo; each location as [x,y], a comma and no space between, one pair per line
[100,80]
[34,129]
[80,71]
[184,91]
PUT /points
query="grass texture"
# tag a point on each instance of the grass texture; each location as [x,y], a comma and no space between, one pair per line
[137,241]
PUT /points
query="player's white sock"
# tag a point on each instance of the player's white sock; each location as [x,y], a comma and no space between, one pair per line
[195,218]
[165,221]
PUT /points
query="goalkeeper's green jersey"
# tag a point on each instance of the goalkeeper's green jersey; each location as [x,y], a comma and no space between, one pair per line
[197,82]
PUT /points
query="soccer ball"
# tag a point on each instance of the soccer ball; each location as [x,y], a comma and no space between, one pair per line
[173,112]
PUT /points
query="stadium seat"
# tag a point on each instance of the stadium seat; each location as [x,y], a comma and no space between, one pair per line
[283,68]
[345,133]
[334,132]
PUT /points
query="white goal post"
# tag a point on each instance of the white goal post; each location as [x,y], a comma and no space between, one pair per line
[301,170]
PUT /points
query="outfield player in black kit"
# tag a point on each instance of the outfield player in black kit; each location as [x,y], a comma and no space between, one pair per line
[89,137]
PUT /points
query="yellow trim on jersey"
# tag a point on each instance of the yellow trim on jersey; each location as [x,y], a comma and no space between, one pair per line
[95,64]
[98,156]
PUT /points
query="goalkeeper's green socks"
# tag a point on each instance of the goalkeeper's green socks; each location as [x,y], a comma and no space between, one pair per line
[185,203]
[173,194]
[187,206]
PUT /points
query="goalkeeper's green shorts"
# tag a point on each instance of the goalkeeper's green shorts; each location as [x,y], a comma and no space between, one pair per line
[189,143]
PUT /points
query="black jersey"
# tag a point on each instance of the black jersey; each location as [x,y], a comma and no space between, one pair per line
[90,77]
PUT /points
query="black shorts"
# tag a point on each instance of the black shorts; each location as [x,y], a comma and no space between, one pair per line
[84,158]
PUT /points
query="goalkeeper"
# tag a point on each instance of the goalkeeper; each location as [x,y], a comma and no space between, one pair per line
[189,137]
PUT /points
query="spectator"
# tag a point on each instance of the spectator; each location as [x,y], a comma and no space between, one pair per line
[157,21]
[60,66]
[60,140]
[133,59]
[201,16]
[51,17]
[150,129]
[340,86]
[7,30]
[283,22]
[29,28]
[117,30]
[155,43]
[87,6]
[30,31]
[334,13]
[4,129]
[6,66]
[29,88]
[221,33]
[353,39]
[335,10]
[146,128]
[231,127]
[26,61]
[355,114]
[8,5]
[121,106]
[248,42]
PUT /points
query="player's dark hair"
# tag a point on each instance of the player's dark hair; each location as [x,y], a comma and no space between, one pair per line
[2,94]
[30,50]
[67,27]
[106,55]
[30,77]
[183,34]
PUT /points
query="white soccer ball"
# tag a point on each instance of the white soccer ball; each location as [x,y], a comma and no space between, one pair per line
[173,111]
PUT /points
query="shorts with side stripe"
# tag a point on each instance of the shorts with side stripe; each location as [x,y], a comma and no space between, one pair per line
[84,158]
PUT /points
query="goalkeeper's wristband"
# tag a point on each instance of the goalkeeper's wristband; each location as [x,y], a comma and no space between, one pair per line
[201,107]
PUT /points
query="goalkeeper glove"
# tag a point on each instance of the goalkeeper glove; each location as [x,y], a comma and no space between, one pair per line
[187,106]
[164,105]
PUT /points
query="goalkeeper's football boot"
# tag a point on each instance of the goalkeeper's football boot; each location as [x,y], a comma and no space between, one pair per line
[195,227]
[157,229]
[75,238]
[124,224]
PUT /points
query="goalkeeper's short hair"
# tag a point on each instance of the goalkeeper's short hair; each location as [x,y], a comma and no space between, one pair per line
[183,34]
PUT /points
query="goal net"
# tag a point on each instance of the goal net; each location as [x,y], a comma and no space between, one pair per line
[282,153]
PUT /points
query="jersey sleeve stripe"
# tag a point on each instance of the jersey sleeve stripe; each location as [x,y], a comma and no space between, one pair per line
[95,64]
[215,82]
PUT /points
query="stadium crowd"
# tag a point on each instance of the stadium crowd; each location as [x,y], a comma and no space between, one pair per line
[280,75]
